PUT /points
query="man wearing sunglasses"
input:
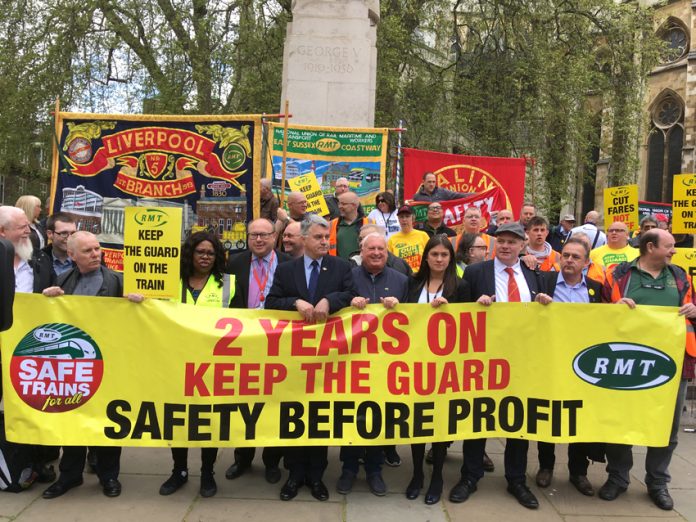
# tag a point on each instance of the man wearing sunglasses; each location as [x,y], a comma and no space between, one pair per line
[617,250]
[651,279]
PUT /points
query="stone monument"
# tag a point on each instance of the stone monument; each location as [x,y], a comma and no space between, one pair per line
[330,62]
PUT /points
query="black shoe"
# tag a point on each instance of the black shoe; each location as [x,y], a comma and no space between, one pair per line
[289,489]
[610,490]
[208,485]
[488,463]
[174,482]
[46,474]
[273,475]
[236,470]
[60,487]
[434,493]
[376,484]
[414,488]
[582,484]
[662,499]
[462,491]
[318,490]
[543,477]
[111,487]
[523,495]
[345,482]
[391,457]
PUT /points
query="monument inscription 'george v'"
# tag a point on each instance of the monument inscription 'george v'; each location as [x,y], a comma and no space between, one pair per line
[330,62]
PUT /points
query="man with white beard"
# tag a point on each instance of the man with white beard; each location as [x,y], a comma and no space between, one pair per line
[32,274]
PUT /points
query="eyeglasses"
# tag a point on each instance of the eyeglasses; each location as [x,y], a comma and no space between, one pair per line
[615,230]
[435,209]
[204,253]
[381,201]
[64,234]
[259,235]
[654,285]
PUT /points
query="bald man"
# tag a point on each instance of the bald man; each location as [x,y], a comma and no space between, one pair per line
[344,230]
[269,203]
[591,230]
[341,186]
[617,250]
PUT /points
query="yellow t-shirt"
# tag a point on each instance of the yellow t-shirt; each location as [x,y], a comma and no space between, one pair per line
[409,247]
[608,257]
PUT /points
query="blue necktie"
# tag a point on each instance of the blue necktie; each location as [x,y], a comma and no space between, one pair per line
[313,280]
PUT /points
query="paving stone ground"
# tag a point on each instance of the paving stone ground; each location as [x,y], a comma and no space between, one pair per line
[250,498]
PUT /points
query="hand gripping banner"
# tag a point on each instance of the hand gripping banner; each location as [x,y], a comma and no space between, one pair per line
[104,371]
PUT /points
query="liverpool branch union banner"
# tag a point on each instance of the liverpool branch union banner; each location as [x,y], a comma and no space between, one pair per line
[105,371]
[329,153]
[467,174]
[206,165]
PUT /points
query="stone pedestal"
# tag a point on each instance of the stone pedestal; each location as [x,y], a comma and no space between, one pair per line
[330,62]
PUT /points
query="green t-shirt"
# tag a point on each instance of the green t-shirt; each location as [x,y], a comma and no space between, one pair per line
[347,238]
[645,289]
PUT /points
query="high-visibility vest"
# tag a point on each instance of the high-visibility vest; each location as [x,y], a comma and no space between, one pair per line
[551,262]
[688,298]
[211,295]
[489,240]
[333,234]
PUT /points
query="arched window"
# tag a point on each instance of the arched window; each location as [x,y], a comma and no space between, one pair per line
[665,143]
[675,36]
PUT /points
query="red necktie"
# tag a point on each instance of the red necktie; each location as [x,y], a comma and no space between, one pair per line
[513,289]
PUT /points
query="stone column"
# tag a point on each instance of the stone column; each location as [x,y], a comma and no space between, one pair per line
[330,62]
[689,151]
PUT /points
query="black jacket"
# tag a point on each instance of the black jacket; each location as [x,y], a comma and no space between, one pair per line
[240,265]
[112,284]
[462,293]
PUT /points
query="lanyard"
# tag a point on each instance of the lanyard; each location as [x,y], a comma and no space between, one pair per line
[427,290]
[259,282]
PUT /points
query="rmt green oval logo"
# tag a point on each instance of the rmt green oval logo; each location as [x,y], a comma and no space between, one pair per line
[624,366]
[151,217]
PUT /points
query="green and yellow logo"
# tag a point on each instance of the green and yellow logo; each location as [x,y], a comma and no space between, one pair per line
[234,156]
[152,217]
[624,366]
[327,145]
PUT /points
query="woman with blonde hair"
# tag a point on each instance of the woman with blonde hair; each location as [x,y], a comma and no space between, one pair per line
[31,205]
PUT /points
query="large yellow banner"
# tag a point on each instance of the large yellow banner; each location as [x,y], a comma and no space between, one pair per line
[104,371]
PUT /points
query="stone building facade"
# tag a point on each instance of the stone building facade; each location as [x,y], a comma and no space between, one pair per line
[668,139]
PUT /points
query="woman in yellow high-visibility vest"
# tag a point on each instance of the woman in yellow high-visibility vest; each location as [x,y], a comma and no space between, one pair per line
[203,283]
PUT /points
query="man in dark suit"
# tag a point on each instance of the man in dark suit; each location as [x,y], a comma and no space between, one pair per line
[571,286]
[254,270]
[315,285]
[502,279]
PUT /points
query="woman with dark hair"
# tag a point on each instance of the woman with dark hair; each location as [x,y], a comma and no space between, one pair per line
[436,283]
[471,249]
[384,213]
[203,283]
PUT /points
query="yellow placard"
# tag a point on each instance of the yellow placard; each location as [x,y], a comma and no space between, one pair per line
[621,204]
[309,186]
[686,259]
[165,374]
[684,204]
[151,248]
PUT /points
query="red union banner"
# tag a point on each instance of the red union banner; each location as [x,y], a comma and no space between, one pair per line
[467,174]
[453,210]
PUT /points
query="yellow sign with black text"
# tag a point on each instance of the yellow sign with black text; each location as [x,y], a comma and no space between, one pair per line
[308,185]
[105,371]
[621,204]
[151,247]
[684,204]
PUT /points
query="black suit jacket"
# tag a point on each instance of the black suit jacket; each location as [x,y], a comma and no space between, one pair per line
[290,284]
[481,279]
[240,266]
[594,288]
[44,275]
[7,285]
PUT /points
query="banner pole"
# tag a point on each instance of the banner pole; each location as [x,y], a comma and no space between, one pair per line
[285,151]
[54,156]
[398,162]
